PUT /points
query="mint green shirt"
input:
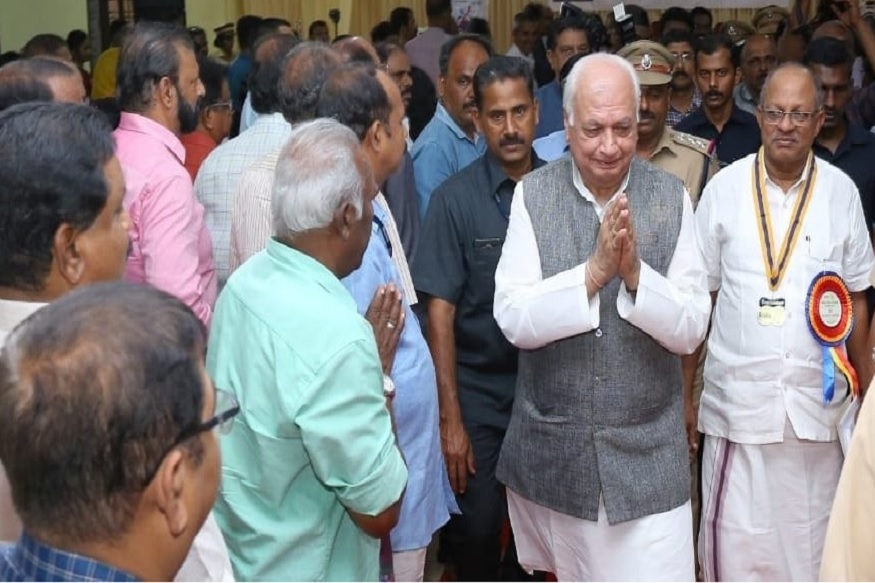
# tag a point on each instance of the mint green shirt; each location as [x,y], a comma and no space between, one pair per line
[313,437]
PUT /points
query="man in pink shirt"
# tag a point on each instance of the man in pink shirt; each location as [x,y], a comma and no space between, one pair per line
[159,88]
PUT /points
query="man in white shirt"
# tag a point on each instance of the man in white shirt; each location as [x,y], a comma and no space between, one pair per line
[219,174]
[600,284]
[525,35]
[780,233]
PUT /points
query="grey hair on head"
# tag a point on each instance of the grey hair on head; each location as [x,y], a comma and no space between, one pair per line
[569,95]
[319,170]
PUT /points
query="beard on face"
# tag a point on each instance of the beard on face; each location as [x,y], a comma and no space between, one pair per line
[187,114]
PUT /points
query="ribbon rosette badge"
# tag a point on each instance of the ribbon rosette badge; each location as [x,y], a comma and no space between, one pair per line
[830,318]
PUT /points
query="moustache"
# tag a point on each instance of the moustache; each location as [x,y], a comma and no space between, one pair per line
[470,105]
[511,141]
[646,116]
[713,94]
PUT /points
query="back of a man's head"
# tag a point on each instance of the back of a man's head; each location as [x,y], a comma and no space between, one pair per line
[355,49]
[353,96]
[438,9]
[399,18]
[148,54]
[47,45]
[829,52]
[87,419]
[267,69]
[304,72]
[18,86]
[247,31]
[52,158]
[61,77]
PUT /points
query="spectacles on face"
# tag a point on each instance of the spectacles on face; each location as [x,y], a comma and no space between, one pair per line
[682,57]
[222,105]
[776,116]
[227,408]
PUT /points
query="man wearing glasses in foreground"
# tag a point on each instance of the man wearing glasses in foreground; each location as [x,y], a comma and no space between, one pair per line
[107,437]
[787,254]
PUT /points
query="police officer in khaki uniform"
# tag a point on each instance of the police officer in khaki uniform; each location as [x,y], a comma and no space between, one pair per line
[766,20]
[687,157]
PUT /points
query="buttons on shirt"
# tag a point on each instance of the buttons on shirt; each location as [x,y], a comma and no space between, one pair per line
[598,333]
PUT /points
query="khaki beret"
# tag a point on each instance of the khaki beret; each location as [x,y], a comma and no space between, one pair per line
[224,29]
[651,61]
[737,30]
[766,20]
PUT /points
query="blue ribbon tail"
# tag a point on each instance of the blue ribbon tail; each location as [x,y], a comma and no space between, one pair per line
[829,375]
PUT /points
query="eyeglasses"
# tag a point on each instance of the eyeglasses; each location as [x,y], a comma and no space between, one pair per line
[222,105]
[682,57]
[227,407]
[776,116]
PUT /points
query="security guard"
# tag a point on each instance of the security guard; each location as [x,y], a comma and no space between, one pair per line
[766,20]
[687,157]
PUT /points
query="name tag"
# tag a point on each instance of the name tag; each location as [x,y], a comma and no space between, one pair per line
[772,312]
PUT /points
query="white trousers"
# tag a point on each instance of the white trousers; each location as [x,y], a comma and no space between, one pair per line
[658,547]
[409,565]
[765,508]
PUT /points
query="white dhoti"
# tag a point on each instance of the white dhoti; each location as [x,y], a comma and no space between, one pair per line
[658,547]
[765,508]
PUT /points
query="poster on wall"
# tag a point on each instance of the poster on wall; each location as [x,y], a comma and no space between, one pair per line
[599,5]
[465,10]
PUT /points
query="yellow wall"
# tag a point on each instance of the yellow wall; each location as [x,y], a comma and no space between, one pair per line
[21,19]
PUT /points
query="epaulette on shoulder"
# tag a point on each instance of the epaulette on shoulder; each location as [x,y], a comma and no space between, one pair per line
[701,145]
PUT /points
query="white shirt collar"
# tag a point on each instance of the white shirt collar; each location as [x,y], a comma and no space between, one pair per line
[588,195]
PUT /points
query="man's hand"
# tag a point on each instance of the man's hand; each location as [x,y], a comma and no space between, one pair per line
[623,231]
[691,420]
[386,315]
[458,454]
[604,261]
[848,12]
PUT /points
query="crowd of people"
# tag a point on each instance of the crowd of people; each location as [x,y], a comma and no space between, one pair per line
[596,309]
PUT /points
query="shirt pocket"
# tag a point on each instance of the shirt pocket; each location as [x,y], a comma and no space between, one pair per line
[485,254]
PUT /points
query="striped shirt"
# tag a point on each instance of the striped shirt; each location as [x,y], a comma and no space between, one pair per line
[31,560]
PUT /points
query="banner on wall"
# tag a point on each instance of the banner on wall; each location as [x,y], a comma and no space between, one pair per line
[600,5]
[465,10]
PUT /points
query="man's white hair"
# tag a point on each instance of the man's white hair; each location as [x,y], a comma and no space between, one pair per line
[316,174]
[569,95]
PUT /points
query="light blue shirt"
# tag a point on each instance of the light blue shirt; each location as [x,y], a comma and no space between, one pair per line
[550,116]
[248,115]
[551,147]
[441,150]
[428,499]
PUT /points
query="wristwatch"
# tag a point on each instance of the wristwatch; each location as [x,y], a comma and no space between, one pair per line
[388,387]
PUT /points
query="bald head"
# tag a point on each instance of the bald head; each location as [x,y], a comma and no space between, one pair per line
[304,73]
[61,77]
[759,57]
[355,49]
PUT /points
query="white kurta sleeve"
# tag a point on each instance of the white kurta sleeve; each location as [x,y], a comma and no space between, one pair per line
[530,310]
[674,310]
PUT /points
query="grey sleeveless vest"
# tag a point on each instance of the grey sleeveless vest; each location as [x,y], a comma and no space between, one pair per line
[601,412]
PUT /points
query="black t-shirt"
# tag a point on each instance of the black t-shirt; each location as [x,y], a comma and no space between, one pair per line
[855,156]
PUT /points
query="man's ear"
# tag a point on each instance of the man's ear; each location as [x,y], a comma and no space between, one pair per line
[70,263]
[208,118]
[375,135]
[344,218]
[166,92]
[442,83]
[168,487]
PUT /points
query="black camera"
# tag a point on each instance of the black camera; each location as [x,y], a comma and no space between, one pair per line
[625,24]
[334,15]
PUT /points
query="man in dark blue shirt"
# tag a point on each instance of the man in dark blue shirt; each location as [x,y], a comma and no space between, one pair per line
[736,132]
[567,37]
[841,142]
[454,270]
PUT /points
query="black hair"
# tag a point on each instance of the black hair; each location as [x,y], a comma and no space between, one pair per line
[149,53]
[381,32]
[438,8]
[44,45]
[269,26]
[557,27]
[451,45]
[702,10]
[304,72]
[678,35]
[480,27]
[51,158]
[385,50]
[354,96]
[247,31]
[87,417]
[267,70]
[501,68]
[676,14]
[9,57]
[398,18]
[76,39]
[568,66]
[711,43]
[117,30]
[213,75]
[638,14]
[17,86]
[315,24]
[829,52]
